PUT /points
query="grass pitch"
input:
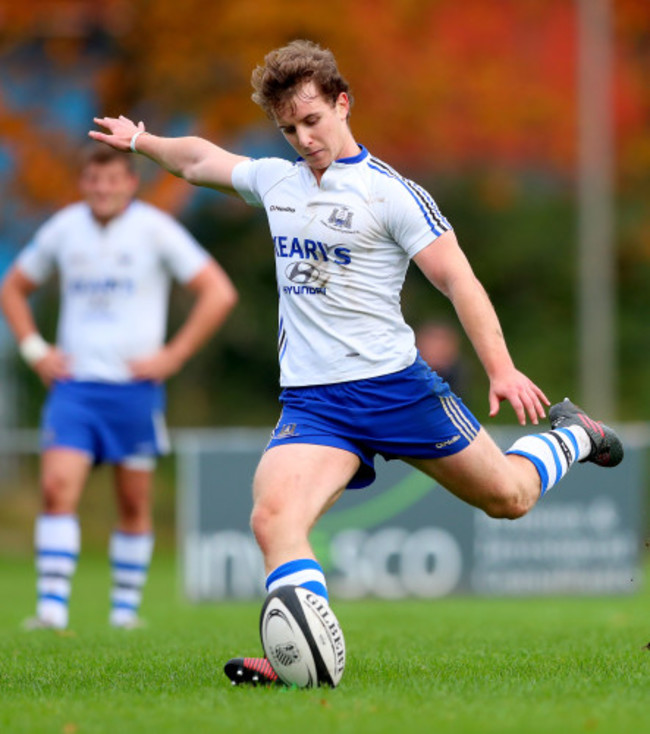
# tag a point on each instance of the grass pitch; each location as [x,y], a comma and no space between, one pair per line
[452,665]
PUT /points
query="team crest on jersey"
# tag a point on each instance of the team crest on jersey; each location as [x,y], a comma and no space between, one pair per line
[77,259]
[125,259]
[341,218]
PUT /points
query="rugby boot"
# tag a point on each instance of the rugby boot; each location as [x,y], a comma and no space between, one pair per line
[606,446]
[254,671]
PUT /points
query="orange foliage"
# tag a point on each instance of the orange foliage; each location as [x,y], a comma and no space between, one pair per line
[439,84]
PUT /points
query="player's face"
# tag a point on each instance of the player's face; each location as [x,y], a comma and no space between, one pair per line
[316,129]
[108,188]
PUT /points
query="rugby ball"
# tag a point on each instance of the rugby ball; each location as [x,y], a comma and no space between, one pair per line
[302,638]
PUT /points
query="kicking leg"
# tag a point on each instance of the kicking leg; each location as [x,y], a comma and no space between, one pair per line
[508,485]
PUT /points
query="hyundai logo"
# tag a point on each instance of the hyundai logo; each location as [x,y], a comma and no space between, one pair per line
[302,272]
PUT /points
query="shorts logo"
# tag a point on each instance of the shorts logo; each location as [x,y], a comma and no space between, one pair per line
[448,442]
[302,272]
[145,448]
[48,436]
[285,431]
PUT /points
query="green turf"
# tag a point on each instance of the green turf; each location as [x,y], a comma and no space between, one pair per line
[454,665]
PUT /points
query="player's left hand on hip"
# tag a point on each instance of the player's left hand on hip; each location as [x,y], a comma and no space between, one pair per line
[158,367]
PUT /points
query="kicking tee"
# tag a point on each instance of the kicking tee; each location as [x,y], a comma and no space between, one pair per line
[114,280]
[342,249]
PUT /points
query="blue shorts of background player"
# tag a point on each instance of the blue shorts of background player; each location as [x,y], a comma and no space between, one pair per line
[112,423]
[410,413]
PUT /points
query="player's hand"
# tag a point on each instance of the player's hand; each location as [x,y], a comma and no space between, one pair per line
[522,393]
[157,367]
[120,131]
[55,365]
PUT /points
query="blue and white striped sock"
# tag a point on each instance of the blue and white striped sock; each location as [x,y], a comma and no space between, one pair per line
[303,572]
[553,452]
[57,541]
[130,555]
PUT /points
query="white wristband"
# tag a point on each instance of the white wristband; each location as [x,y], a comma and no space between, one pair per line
[33,348]
[134,138]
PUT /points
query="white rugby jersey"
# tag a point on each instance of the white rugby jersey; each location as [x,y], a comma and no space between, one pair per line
[115,281]
[342,248]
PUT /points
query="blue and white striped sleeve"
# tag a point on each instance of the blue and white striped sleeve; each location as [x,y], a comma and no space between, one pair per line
[414,219]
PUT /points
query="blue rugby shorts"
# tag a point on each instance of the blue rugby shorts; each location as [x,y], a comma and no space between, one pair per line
[410,413]
[109,421]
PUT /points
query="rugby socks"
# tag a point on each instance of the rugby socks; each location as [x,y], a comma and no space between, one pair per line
[57,541]
[130,556]
[303,572]
[553,452]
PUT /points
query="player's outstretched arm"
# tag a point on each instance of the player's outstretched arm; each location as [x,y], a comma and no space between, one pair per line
[195,159]
[445,265]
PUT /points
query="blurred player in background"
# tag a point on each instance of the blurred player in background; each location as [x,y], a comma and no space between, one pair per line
[438,343]
[115,258]
[345,226]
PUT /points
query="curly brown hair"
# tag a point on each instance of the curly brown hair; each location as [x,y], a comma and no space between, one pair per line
[286,69]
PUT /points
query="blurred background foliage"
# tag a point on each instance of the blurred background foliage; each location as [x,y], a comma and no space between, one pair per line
[475,100]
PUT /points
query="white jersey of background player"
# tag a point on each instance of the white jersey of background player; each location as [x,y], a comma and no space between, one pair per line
[114,282]
[115,258]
